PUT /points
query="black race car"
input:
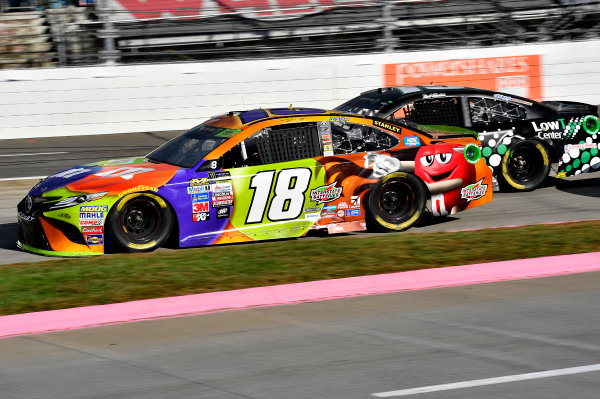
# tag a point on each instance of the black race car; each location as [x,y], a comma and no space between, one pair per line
[520,137]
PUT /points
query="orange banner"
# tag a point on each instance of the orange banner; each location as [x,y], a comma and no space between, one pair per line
[518,75]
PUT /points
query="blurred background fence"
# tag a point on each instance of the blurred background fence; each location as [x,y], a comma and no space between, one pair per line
[116,66]
[87,32]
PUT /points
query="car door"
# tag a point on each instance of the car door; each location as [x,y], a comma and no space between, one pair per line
[273,173]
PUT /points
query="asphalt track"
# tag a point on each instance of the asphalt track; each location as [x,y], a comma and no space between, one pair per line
[339,349]
[560,200]
[541,335]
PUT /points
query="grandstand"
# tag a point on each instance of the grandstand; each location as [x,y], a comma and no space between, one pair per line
[129,31]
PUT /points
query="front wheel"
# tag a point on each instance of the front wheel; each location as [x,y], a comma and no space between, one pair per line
[396,202]
[140,222]
[525,166]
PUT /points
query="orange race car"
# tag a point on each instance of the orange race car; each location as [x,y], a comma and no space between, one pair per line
[255,175]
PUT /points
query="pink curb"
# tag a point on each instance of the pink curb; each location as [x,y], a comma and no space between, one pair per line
[92,316]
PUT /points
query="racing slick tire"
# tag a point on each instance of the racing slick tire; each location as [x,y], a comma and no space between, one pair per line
[396,202]
[140,222]
[525,166]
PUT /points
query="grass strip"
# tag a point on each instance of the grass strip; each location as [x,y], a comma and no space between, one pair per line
[65,283]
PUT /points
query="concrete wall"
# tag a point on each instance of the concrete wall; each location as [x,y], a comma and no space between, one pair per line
[121,99]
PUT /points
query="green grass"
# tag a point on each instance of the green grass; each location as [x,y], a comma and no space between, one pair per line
[63,283]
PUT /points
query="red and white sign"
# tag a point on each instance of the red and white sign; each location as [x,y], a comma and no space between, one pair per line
[256,9]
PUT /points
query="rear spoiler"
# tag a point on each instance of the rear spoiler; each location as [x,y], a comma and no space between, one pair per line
[572,106]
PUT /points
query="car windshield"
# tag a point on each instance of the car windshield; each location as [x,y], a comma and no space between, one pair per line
[189,148]
[362,105]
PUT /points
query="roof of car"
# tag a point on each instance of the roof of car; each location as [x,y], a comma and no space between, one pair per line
[404,90]
[239,119]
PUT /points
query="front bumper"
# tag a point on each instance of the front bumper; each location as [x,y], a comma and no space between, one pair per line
[46,236]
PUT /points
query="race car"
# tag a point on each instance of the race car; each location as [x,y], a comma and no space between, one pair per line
[520,137]
[256,175]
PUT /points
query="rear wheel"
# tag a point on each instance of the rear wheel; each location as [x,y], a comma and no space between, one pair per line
[140,222]
[525,166]
[396,202]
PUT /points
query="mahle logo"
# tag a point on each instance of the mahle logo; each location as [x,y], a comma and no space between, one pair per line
[326,193]
[474,191]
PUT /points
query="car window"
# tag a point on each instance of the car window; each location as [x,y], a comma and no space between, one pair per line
[189,148]
[350,138]
[488,110]
[275,144]
[438,111]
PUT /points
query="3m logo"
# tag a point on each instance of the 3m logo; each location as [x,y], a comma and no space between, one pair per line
[200,207]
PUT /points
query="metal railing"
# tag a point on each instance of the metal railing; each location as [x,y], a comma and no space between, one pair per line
[126,31]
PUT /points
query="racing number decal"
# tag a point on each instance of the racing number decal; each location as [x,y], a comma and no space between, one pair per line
[288,198]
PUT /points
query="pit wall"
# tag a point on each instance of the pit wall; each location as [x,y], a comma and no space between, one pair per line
[140,98]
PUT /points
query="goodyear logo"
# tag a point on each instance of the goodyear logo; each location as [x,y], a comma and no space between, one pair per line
[387,126]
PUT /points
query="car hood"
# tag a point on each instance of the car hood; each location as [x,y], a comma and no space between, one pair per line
[115,176]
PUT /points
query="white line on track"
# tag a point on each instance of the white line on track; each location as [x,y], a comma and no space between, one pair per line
[33,153]
[489,381]
[22,178]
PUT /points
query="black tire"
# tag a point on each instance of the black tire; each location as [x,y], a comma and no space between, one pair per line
[396,202]
[140,222]
[525,166]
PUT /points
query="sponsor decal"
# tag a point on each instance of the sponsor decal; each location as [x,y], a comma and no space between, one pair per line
[433,95]
[137,189]
[222,196]
[93,229]
[331,207]
[315,209]
[339,119]
[222,203]
[326,193]
[327,214]
[474,191]
[583,146]
[352,212]
[312,216]
[326,138]
[93,208]
[221,187]
[343,205]
[124,172]
[223,213]
[387,126]
[201,217]
[91,222]
[355,201]
[198,182]
[412,141]
[227,133]
[197,189]
[92,215]
[340,214]
[94,239]
[71,172]
[561,175]
[219,176]
[200,207]
[514,100]
[202,197]
[327,148]
[559,129]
